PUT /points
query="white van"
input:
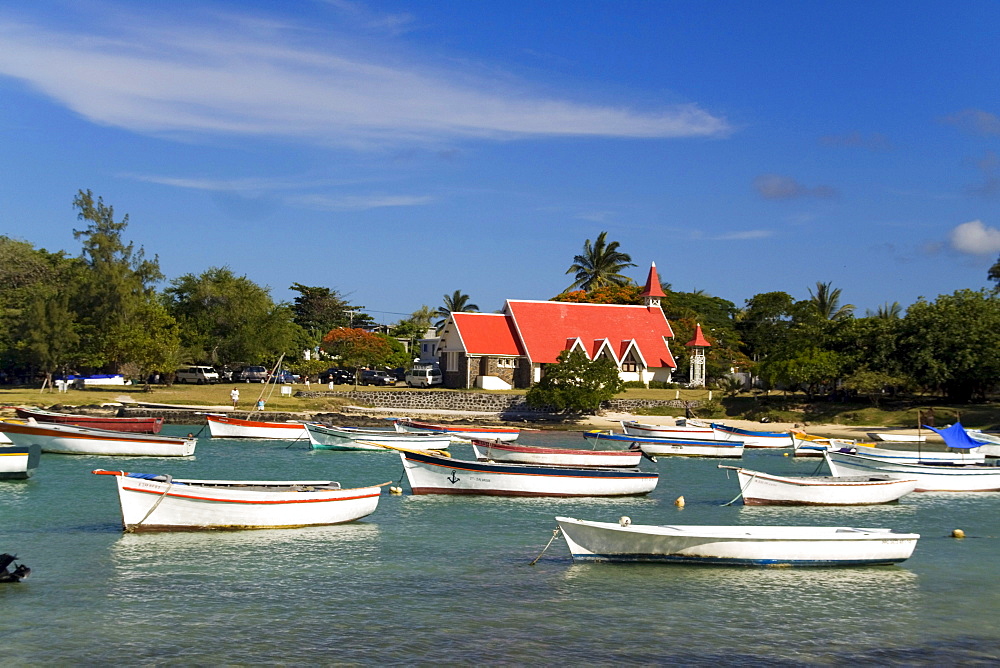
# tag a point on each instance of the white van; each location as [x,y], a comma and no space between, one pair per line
[423,376]
[197,374]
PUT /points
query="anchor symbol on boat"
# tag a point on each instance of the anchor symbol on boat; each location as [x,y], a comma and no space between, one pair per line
[453,478]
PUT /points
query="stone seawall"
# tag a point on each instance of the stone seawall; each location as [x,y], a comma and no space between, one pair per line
[506,404]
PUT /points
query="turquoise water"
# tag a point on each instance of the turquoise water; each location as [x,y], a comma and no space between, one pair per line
[428,580]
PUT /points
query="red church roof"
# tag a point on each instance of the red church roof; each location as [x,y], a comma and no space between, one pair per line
[544,328]
[653,287]
[699,339]
[487,334]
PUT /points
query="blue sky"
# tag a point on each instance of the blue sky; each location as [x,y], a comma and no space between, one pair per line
[398,151]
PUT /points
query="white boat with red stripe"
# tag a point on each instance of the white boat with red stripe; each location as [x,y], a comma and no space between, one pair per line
[223,426]
[154,502]
[498,451]
[69,440]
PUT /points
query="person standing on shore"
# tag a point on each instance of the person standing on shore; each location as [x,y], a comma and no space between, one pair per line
[235,396]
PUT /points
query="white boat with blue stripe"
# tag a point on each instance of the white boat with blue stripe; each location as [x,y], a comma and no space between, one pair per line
[680,447]
[735,545]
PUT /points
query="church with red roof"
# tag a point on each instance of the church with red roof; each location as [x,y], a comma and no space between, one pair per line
[509,349]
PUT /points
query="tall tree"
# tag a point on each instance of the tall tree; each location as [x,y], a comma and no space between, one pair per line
[886,311]
[994,274]
[827,302]
[229,319]
[118,287]
[600,264]
[355,348]
[456,302]
[47,333]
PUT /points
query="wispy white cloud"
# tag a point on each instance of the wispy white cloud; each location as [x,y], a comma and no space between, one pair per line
[249,76]
[975,238]
[776,186]
[975,121]
[357,202]
[873,142]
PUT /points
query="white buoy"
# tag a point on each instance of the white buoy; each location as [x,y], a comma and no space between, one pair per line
[624,520]
[395,490]
[679,502]
[958,533]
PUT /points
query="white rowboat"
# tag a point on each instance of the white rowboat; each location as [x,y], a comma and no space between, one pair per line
[459,433]
[433,474]
[160,503]
[916,456]
[765,489]
[223,426]
[69,440]
[529,454]
[893,437]
[735,545]
[929,477]
[680,447]
[686,430]
[323,437]
[18,462]
[754,439]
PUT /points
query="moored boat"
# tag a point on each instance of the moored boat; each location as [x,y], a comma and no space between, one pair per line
[680,447]
[139,425]
[940,477]
[458,432]
[498,451]
[324,437]
[735,545]
[435,474]
[809,445]
[151,502]
[897,437]
[690,429]
[69,440]
[223,426]
[911,456]
[755,439]
[18,462]
[764,489]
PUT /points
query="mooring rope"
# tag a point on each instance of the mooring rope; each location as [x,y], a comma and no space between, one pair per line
[743,489]
[555,534]
[156,505]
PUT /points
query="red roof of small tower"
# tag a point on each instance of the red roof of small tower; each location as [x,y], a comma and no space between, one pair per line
[653,288]
[699,339]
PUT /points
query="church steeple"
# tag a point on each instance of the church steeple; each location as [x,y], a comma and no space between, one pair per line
[653,291]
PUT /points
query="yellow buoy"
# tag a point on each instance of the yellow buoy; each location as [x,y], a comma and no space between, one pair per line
[679,502]
[784,454]
[958,533]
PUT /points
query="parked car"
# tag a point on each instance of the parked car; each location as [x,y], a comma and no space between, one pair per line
[373,377]
[337,375]
[284,376]
[197,374]
[252,374]
[423,377]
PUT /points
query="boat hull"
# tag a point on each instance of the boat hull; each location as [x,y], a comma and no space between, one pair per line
[18,462]
[69,440]
[735,545]
[136,425]
[462,434]
[808,445]
[667,431]
[432,474]
[525,454]
[223,426]
[918,457]
[764,489]
[674,446]
[322,437]
[158,505]
[754,439]
[929,477]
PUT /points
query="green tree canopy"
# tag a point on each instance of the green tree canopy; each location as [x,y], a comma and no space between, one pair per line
[600,264]
[229,319]
[575,384]
[952,343]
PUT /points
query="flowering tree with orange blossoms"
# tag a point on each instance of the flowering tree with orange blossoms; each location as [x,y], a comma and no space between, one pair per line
[357,348]
[607,294]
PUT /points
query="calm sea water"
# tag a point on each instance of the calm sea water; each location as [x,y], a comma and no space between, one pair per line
[429,580]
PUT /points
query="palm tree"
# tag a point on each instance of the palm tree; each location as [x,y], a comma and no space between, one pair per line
[886,311]
[599,265]
[456,302]
[827,302]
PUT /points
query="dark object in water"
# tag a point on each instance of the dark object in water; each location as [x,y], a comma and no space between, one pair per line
[20,570]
